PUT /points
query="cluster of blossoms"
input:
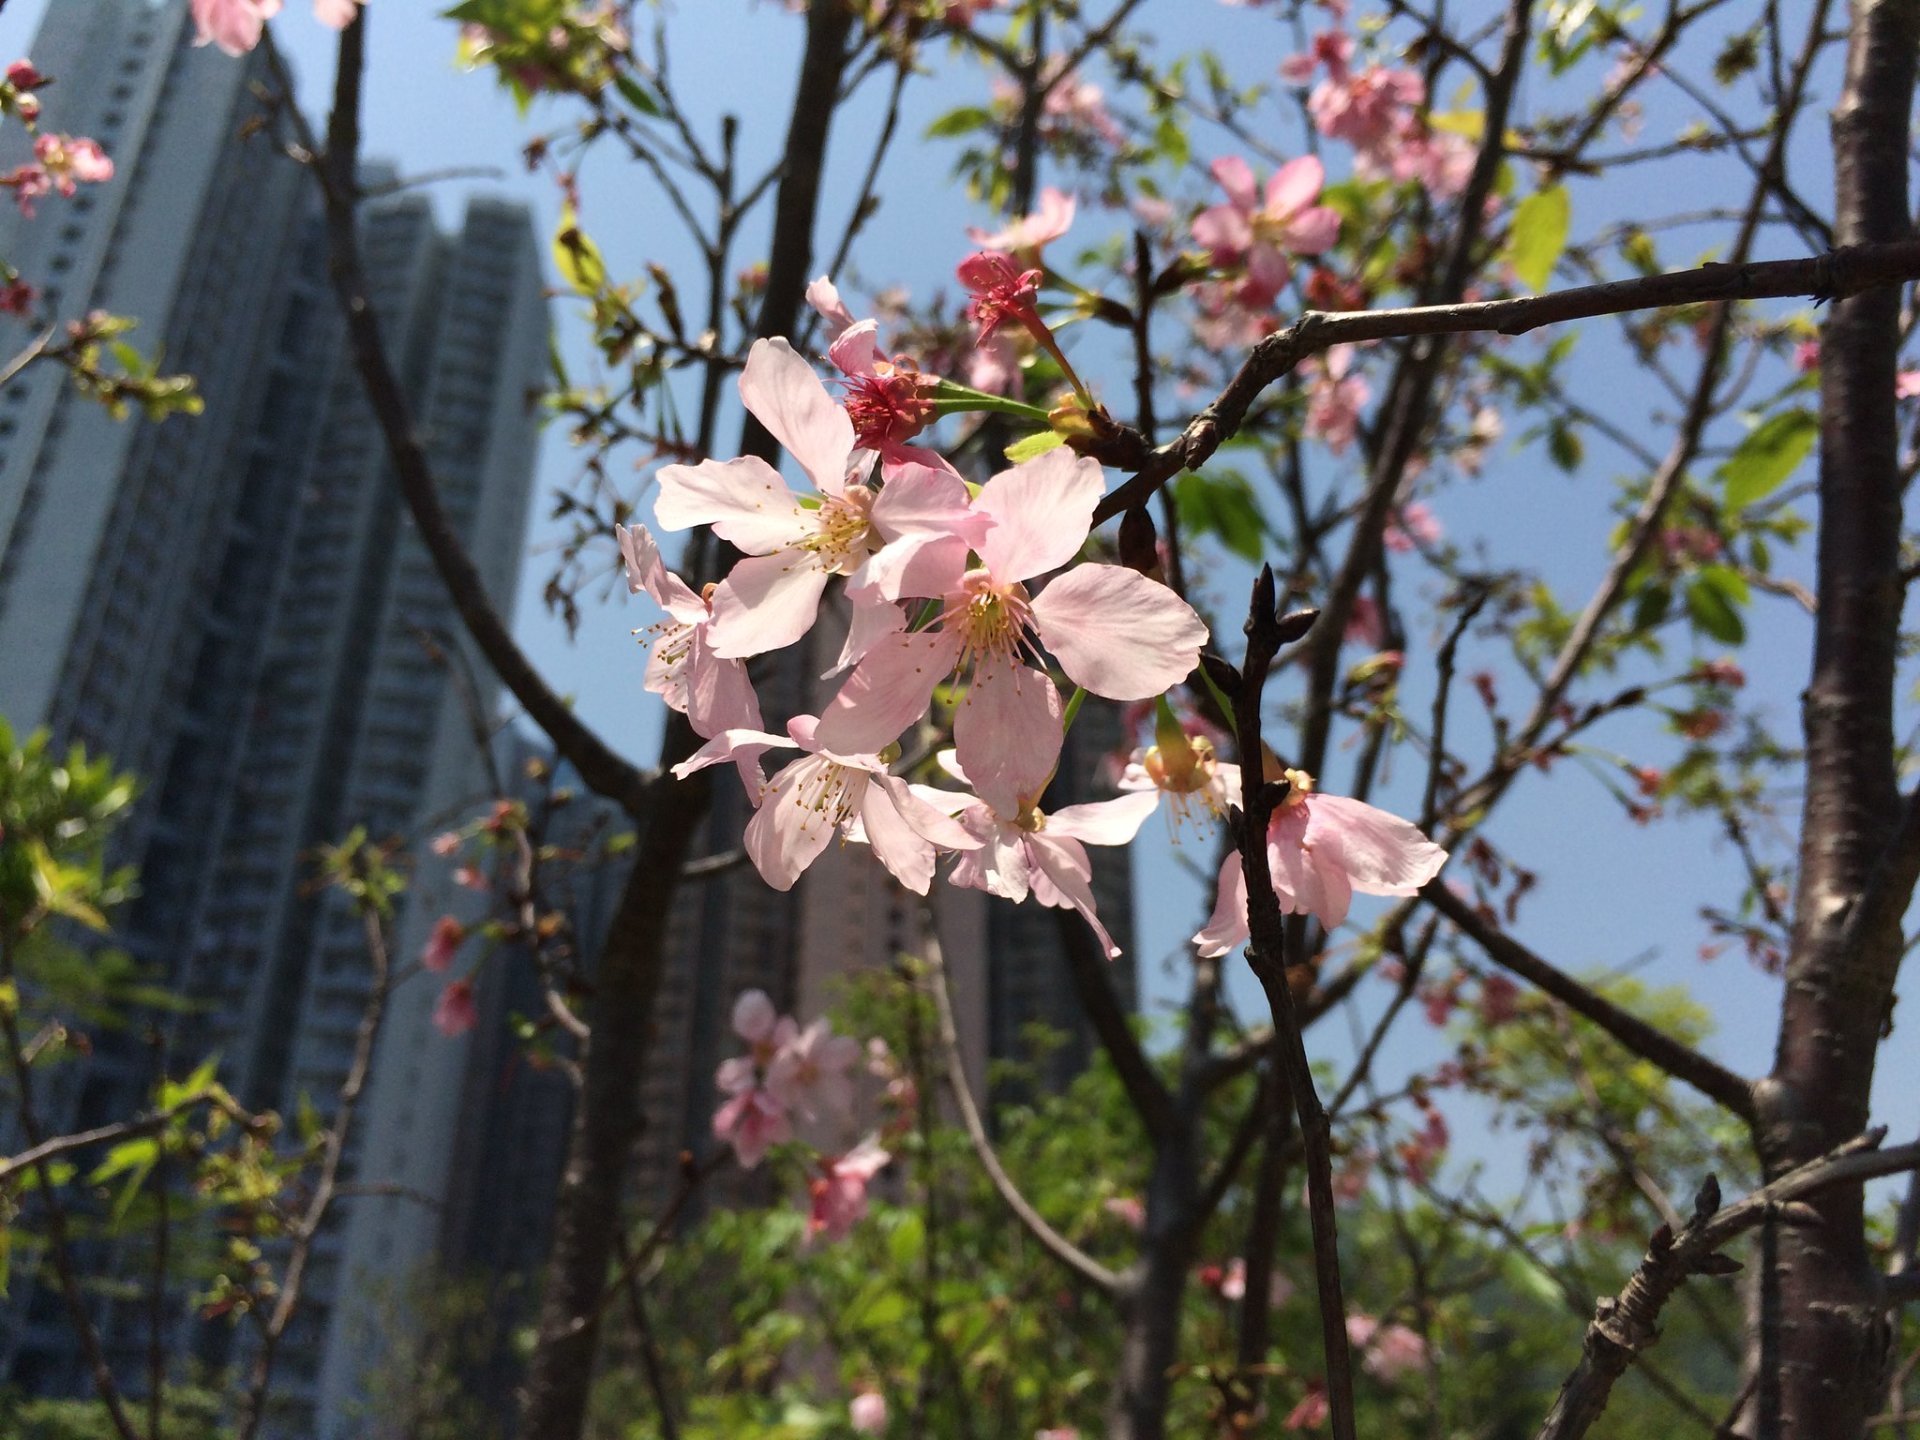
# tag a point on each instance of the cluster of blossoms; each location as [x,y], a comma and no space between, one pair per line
[1376,109]
[61,163]
[236,25]
[978,595]
[788,1075]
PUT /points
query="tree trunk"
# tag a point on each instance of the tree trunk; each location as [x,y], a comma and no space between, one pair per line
[1151,1308]
[1821,1347]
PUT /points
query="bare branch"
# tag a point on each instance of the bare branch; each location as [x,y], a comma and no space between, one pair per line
[1681,1061]
[1846,271]
[1076,1260]
[1626,1325]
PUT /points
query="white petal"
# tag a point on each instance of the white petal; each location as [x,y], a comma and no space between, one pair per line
[745,500]
[787,397]
[1041,513]
[1105,822]
[766,603]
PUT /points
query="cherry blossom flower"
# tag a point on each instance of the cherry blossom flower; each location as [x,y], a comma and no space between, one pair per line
[1261,232]
[1112,630]
[714,694]
[867,1411]
[1000,291]
[233,25]
[1320,850]
[1393,1351]
[1335,398]
[336,14]
[839,1202]
[456,1012]
[18,298]
[1029,235]
[1312,1411]
[754,1119]
[1199,787]
[1412,526]
[888,400]
[874,536]
[812,1073]
[443,944]
[1025,852]
[830,790]
[1364,108]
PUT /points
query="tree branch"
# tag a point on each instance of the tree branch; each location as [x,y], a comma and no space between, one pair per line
[1626,1325]
[1681,1061]
[1846,271]
[601,769]
[1082,1265]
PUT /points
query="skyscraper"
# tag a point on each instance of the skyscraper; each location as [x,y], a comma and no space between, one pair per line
[235,606]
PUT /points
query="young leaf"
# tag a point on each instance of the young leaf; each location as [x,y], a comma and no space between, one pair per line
[1539,234]
[1768,456]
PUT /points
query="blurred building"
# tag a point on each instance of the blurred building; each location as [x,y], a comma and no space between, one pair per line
[235,605]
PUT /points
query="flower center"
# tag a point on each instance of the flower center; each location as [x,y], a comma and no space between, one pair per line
[991,618]
[843,530]
[1301,784]
[1182,775]
[890,407]
[827,793]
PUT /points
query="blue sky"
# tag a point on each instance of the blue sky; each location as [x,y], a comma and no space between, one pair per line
[1612,894]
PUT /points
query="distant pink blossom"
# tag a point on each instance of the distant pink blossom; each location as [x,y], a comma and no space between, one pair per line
[456,1012]
[1129,1210]
[1262,231]
[874,536]
[233,25]
[17,297]
[1112,630]
[1335,398]
[1030,234]
[867,1411]
[754,1119]
[1199,786]
[336,14]
[1806,356]
[443,944]
[1312,1411]
[812,1073]
[839,1199]
[1321,849]
[471,877]
[1411,526]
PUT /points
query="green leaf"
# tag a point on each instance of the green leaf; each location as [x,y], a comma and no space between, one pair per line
[1768,456]
[1714,601]
[1035,445]
[1539,234]
[1564,447]
[637,96]
[1222,505]
[959,122]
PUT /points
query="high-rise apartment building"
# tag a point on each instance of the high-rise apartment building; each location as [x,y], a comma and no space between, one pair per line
[235,605]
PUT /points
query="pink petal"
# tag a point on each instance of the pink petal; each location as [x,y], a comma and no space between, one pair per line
[753,1017]
[1313,231]
[1224,230]
[789,830]
[1267,271]
[1007,732]
[766,603]
[739,746]
[825,299]
[1295,186]
[856,348]
[787,397]
[745,500]
[1236,178]
[872,620]
[1118,633]
[1041,512]
[1104,822]
[1381,854]
[647,571]
[1227,926]
[887,692]
[908,855]
[1069,876]
[929,820]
